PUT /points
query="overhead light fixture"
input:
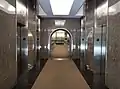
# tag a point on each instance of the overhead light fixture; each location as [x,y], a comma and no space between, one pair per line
[59,59]
[61,7]
[60,22]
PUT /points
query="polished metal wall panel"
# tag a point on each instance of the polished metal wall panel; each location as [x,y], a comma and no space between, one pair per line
[37,43]
[89,47]
[74,53]
[31,49]
[101,20]
[22,11]
[97,49]
[78,37]
[22,57]
[32,35]
[87,34]
[95,39]
[100,34]
[82,45]
[22,43]
[44,37]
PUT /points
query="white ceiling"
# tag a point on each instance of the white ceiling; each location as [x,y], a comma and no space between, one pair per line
[45,9]
[61,7]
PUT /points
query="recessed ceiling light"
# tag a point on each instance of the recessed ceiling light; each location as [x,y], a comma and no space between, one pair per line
[61,7]
[60,22]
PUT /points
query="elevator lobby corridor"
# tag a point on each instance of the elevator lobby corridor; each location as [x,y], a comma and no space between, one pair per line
[59,44]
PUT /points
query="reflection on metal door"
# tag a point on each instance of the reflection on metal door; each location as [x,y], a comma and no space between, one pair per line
[100,51]
[22,54]
[90,45]
[82,45]
[103,51]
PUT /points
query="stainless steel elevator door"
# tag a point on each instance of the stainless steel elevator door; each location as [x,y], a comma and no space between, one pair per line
[100,35]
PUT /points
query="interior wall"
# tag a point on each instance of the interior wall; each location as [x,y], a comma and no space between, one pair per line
[48,25]
[8,69]
[113,62]
[88,32]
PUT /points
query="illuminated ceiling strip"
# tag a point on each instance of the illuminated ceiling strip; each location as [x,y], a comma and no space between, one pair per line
[61,7]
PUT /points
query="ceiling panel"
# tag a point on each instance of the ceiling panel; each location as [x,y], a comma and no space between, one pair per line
[45,4]
[76,9]
[76,6]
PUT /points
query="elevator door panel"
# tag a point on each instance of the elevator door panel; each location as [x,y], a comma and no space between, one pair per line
[100,53]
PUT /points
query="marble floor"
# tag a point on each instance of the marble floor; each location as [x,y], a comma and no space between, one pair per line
[60,74]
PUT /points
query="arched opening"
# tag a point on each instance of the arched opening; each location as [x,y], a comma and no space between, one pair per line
[68,39]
